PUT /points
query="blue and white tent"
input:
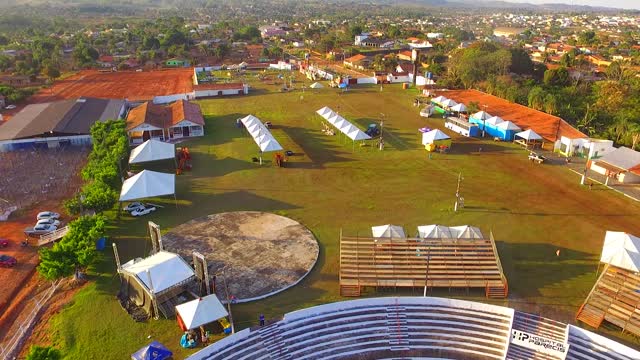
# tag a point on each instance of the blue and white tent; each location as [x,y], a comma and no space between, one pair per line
[153,351]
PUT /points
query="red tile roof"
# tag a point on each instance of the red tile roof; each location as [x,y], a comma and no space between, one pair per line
[164,116]
[229,86]
[355,58]
[548,126]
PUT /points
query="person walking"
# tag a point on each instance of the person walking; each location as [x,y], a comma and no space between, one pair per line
[261,317]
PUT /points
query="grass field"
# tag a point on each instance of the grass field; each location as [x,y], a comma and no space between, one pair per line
[532,210]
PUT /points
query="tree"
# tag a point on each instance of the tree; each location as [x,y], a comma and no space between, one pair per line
[550,104]
[52,72]
[556,77]
[44,353]
[150,43]
[587,37]
[248,33]
[4,40]
[173,37]
[378,62]
[355,30]
[85,55]
[536,98]
[99,196]
[221,50]
[521,62]
[75,251]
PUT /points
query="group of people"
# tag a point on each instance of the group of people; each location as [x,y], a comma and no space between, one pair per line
[190,338]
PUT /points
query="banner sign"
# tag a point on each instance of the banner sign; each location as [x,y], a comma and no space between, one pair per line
[539,343]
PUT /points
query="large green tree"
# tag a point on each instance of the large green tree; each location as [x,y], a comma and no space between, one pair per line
[43,353]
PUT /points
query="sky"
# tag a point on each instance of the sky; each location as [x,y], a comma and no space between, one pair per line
[625,4]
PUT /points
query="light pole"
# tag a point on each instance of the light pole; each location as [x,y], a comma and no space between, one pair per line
[381,147]
[484,119]
[459,199]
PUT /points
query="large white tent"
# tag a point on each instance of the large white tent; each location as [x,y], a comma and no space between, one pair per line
[148,184]
[159,271]
[342,124]
[529,135]
[508,125]
[434,232]
[152,150]
[316,85]
[260,134]
[459,108]
[622,250]
[439,99]
[482,115]
[448,103]
[466,232]
[433,135]
[388,231]
[494,120]
[200,311]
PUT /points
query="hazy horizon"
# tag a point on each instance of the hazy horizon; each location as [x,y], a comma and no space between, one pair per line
[622,4]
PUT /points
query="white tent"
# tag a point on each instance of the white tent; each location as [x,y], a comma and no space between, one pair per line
[622,250]
[508,125]
[343,125]
[439,99]
[260,134]
[494,120]
[433,135]
[481,115]
[316,85]
[434,232]
[201,311]
[459,108]
[159,271]
[152,150]
[529,135]
[449,103]
[466,232]
[388,231]
[148,184]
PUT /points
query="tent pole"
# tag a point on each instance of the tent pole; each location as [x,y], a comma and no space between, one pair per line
[175,200]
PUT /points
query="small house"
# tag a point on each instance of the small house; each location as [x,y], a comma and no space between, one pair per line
[623,164]
[178,120]
[177,63]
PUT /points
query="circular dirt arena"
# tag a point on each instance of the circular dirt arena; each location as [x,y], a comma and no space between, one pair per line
[256,254]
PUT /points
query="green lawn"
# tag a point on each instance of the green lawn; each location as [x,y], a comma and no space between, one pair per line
[532,210]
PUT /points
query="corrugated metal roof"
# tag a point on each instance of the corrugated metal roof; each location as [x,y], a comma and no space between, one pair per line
[68,117]
[622,157]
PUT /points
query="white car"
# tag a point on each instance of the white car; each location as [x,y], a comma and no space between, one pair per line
[48,221]
[132,206]
[48,215]
[143,210]
[40,229]
[10,107]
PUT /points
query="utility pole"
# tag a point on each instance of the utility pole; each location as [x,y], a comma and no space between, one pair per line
[381,147]
[459,199]
[484,120]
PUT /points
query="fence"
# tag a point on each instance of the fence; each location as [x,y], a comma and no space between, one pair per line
[16,337]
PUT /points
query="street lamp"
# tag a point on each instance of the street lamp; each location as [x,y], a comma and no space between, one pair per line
[484,119]
[381,126]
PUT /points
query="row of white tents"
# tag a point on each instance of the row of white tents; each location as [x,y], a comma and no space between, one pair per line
[505,125]
[428,232]
[260,134]
[342,124]
[449,104]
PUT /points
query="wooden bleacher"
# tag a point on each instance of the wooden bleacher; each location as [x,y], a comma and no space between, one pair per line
[615,298]
[414,262]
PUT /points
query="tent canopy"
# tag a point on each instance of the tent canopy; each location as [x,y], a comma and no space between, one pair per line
[434,232]
[448,103]
[508,125]
[260,134]
[529,135]
[439,99]
[466,232]
[165,270]
[153,351]
[481,115]
[432,136]
[622,250]
[494,120]
[388,231]
[200,311]
[459,108]
[152,150]
[342,124]
[148,184]
[316,85]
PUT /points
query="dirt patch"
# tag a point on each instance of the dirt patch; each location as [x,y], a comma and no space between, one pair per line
[257,253]
[130,85]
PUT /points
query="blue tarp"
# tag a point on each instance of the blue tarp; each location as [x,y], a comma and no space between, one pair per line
[153,351]
[101,243]
[506,135]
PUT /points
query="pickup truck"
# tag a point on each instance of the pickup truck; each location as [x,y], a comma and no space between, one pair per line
[533,157]
[39,229]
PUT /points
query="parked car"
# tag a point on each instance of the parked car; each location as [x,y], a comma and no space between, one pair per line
[143,210]
[49,221]
[533,157]
[4,243]
[10,107]
[132,206]
[7,261]
[40,230]
[48,215]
